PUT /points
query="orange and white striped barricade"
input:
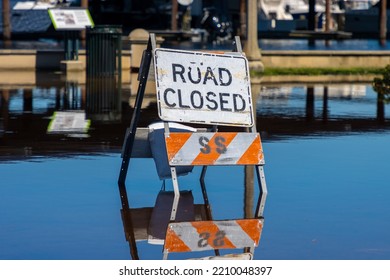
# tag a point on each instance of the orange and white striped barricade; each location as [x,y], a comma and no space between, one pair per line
[214,148]
[212,235]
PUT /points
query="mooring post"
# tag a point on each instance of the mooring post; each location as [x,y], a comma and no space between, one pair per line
[328,19]
[383,22]
[312,20]
[6,21]
[174,10]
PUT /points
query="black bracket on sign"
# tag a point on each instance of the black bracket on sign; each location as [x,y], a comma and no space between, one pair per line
[130,134]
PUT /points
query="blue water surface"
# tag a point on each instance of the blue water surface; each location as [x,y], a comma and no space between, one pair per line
[328,199]
[328,188]
[341,45]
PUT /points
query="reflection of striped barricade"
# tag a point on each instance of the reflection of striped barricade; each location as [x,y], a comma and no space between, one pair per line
[209,235]
[219,148]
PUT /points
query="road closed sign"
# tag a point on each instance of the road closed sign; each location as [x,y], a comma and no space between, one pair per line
[201,87]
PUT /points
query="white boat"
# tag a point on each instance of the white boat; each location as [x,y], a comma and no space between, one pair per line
[289,15]
[40,4]
[300,8]
[272,16]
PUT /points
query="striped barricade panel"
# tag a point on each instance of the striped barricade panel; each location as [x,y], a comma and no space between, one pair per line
[218,148]
[209,235]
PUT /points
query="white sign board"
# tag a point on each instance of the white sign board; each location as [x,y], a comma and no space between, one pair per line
[201,87]
[70,19]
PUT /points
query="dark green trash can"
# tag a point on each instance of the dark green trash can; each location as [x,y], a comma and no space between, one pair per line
[104,75]
[104,49]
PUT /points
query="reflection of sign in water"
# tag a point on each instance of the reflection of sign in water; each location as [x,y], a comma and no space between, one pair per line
[228,234]
[200,87]
[70,19]
[68,122]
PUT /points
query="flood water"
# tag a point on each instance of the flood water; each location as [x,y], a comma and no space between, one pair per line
[326,153]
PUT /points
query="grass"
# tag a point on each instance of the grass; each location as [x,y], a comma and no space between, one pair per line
[317,71]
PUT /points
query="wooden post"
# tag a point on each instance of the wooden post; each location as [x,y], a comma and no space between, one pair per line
[383,22]
[174,15]
[380,109]
[4,106]
[251,49]
[84,4]
[312,19]
[312,15]
[325,106]
[27,101]
[6,21]
[328,19]
[249,190]
[243,19]
[328,16]
[310,104]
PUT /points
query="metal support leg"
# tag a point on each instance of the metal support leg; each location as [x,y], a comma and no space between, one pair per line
[176,192]
[206,199]
[263,191]
[128,222]
[175,183]
[165,255]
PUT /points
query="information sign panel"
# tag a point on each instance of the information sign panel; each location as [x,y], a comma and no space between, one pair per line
[70,19]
